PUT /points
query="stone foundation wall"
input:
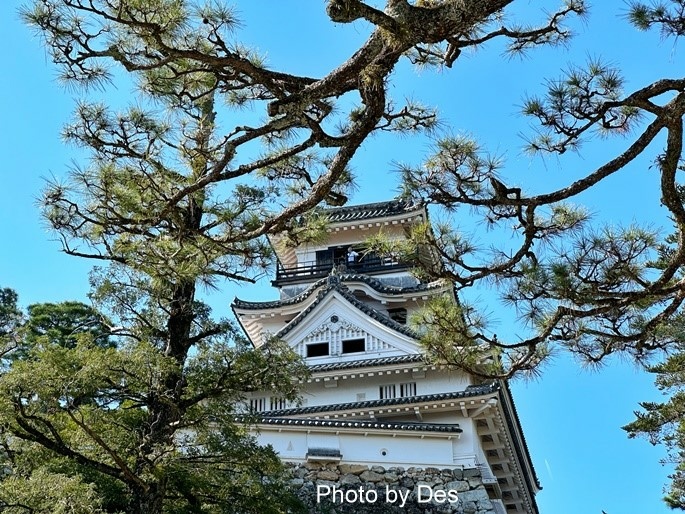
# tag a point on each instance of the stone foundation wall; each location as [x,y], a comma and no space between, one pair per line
[331,488]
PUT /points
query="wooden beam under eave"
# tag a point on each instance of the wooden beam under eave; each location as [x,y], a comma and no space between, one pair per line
[493,446]
[490,403]
[464,409]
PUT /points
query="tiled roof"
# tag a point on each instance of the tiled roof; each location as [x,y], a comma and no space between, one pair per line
[333,284]
[369,404]
[370,211]
[377,285]
[382,425]
[514,424]
[366,363]
[273,304]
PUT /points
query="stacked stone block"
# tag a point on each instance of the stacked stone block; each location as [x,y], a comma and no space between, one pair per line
[414,484]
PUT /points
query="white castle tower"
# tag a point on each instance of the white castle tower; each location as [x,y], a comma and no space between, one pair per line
[372,402]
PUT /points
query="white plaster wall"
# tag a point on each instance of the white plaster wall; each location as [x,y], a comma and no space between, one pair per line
[346,390]
[399,450]
[469,443]
[346,235]
[271,325]
[331,391]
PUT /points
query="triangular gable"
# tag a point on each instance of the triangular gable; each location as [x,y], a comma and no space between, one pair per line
[252,316]
[335,318]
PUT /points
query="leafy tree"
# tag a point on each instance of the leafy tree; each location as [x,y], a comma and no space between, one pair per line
[74,401]
[10,319]
[62,324]
[177,195]
[576,285]
[665,423]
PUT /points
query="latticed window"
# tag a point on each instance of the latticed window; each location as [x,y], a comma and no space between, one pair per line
[277,403]
[388,391]
[258,404]
[408,389]
[402,390]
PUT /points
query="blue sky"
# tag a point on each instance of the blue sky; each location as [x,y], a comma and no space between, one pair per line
[571,416]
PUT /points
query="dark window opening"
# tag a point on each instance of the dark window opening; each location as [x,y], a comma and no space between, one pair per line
[317,350]
[399,315]
[408,389]
[388,391]
[258,404]
[340,254]
[324,257]
[334,256]
[354,345]
[405,390]
[277,403]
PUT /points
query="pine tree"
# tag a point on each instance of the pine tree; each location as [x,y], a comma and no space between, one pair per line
[584,287]
[664,423]
[179,195]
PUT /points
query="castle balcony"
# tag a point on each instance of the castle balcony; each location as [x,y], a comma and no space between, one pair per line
[313,270]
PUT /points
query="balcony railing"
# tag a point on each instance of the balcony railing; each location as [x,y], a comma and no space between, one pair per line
[367,264]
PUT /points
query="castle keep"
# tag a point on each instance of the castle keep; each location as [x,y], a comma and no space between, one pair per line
[374,413]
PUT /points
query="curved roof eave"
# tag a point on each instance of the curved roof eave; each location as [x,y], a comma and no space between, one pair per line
[334,285]
[368,363]
[469,392]
[371,211]
[512,417]
[362,424]
[373,283]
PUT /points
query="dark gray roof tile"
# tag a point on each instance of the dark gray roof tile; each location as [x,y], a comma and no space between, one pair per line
[370,211]
[366,363]
[362,425]
[376,284]
[514,424]
[370,404]
[334,284]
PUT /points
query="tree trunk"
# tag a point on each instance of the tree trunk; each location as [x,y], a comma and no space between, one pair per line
[147,501]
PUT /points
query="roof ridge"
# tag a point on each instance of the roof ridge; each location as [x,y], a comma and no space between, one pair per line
[375,284]
[393,207]
[395,202]
[334,284]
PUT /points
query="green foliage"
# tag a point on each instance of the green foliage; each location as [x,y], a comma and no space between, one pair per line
[664,423]
[593,290]
[586,99]
[437,324]
[453,333]
[181,192]
[73,411]
[10,319]
[43,492]
[10,314]
[669,16]
[60,323]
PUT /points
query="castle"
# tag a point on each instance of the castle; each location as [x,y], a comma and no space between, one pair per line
[374,411]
